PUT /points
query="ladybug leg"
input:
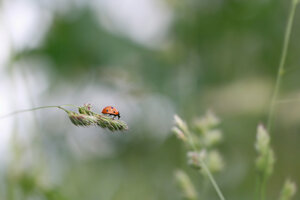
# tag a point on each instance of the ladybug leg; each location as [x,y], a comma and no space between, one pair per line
[111,115]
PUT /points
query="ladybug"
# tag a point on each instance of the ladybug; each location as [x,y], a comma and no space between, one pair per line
[110,110]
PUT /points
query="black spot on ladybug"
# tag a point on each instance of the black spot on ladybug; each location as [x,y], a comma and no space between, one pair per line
[114,111]
[112,107]
[106,110]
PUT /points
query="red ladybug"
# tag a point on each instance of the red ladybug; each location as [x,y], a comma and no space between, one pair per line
[110,110]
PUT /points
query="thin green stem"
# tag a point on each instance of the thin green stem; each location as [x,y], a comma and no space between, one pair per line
[212,180]
[263,187]
[205,188]
[281,71]
[207,171]
[257,188]
[33,109]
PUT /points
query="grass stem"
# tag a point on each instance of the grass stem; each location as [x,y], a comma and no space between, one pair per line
[263,187]
[207,171]
[212,180]
[33,109]
[281,69]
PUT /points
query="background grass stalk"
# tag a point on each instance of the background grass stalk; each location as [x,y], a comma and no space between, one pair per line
[212,180]
[281,71]
[207,171]
[263,187]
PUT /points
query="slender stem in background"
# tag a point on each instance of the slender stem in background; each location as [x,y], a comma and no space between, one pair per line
[205,188]
[33,109]
[257,188]
[263,187]
[207,171]
[280,72]
[212,180]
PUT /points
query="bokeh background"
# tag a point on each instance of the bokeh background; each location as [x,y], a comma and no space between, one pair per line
[151,59]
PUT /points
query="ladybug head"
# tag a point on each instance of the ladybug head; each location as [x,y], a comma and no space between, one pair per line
[119,115]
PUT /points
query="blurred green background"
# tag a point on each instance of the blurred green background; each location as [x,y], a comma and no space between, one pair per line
[151,59]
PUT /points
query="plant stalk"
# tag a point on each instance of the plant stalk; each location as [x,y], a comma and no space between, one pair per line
[281,70]
[263,187]
[207,171]
[33,109]
[212,180]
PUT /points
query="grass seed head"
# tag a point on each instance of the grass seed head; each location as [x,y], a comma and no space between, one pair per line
[208,121]
[212,137]
[81,119]
[266,159]
[186,185]
[86,117]
[180,135]
[180,124]
[288,191]
[214,161]
[85,109]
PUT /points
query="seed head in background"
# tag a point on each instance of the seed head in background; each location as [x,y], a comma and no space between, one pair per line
[266,159]
[201,141]
[202,155]
[186,185]
[265,164]
[288,191]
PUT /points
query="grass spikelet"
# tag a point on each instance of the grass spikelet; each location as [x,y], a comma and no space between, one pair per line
[265,160]
[288,191]
[81,119]
[180,135]
[186,185]
[85,109]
